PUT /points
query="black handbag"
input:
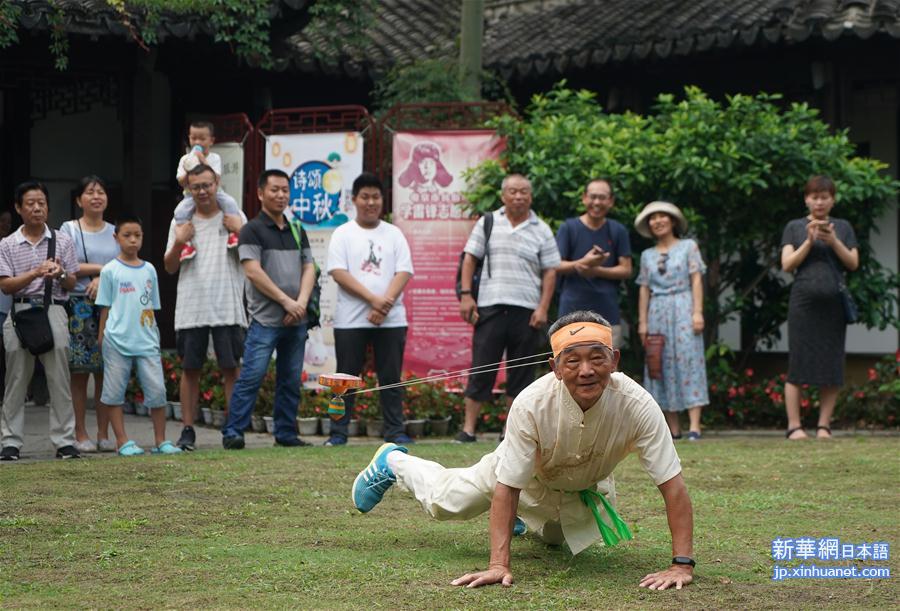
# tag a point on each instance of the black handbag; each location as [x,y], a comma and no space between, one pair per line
[851,310]
[32,326]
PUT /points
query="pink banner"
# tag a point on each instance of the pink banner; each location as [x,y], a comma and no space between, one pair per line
[427,193]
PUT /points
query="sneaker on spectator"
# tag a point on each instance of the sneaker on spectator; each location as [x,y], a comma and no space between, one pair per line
[130,448]
[166,447]
[464,437]
[86,446]
[188,252]
[519,527]
[232,240]
[402,438]
[233,443]
[9,453]
[106,445]
[335,440]
[188,439]
[67,452]
[373,481]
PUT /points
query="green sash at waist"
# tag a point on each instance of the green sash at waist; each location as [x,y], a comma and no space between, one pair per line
[588,497]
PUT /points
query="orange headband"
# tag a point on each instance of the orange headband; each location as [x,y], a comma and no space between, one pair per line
[579,333]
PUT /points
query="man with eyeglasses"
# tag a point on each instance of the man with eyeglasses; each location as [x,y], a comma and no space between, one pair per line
[565,435]
[517,284]
[596,257]
[210,294]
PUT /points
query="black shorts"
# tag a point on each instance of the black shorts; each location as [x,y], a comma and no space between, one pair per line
[228,342]
[499,328]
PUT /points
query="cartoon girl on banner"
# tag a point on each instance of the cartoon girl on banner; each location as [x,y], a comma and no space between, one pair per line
[425,172]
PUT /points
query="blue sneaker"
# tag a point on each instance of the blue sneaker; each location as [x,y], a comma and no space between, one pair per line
[373,481]
[402,438]
[519,527]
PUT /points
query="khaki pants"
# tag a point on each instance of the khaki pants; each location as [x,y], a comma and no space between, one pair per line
[19,368]
[463,493]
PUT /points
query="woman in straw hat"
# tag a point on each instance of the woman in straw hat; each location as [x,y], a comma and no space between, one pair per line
[671,304]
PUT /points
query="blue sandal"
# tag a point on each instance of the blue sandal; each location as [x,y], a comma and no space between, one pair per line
[130,448]
[166,447]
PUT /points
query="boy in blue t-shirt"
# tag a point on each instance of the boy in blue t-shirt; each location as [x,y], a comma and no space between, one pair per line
[128,336]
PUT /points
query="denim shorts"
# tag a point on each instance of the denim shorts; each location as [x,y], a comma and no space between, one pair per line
[117,372]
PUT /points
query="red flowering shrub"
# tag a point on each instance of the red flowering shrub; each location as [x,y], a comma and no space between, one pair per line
[738,399]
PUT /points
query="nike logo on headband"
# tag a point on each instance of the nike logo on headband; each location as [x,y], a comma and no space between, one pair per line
[575,331]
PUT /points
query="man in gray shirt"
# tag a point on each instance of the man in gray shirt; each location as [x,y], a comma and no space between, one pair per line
[277,260]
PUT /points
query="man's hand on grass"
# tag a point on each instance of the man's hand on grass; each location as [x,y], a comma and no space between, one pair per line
[676,575]
[500,574]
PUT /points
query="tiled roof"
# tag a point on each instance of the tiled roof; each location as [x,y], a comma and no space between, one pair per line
[523,37]
[526,37]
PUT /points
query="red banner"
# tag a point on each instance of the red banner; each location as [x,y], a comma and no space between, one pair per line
[427,193]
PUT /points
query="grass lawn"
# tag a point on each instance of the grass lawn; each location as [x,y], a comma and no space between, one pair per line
[275,528]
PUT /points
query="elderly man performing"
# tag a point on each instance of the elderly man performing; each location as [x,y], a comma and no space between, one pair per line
[565,434]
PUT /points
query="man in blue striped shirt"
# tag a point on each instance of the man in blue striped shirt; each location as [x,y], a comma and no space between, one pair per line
[513,298]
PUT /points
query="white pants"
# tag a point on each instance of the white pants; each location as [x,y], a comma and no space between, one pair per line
[463,493]
[19,368]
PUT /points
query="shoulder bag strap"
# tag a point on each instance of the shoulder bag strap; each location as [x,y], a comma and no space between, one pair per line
[488,228]
[296,234]
[48,283]
[83,245]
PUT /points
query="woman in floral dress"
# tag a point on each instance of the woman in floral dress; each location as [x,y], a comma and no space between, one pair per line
[95,245]
[671,303]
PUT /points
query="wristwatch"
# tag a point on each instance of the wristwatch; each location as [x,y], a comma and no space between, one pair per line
[684,560]
[62,276]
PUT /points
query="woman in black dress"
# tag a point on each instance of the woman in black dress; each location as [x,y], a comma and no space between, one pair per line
[818,249]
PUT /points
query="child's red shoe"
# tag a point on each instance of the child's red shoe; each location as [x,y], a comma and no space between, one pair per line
[232,240]
[188,252]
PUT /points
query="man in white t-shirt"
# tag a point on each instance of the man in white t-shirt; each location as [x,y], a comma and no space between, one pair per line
[565,434]
[210,294]
[369,260]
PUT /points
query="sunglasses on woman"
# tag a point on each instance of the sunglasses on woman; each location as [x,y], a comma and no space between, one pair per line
[661,264]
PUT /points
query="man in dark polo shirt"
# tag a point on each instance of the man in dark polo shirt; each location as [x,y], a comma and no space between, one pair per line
[280,274]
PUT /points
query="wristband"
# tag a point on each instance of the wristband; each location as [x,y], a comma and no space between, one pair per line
[465,292]
[684,560]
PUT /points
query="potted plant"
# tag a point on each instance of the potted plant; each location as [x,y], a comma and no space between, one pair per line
[368,409]
[308,414]
[414,408]
[431,402]
[316,401]
[219,405]
[204,405]
[172,377]
[135,398]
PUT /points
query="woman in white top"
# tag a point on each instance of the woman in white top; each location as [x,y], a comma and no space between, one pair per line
[95,245]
